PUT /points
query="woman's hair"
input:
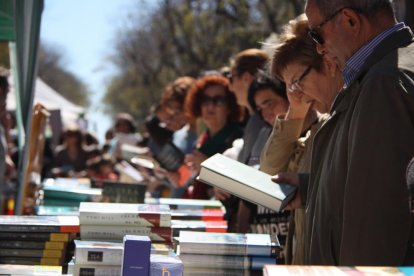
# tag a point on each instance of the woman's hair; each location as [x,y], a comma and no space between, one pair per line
[177,90]
[295,47]
[193,100]
[250,60]
[264,80]
[74,132]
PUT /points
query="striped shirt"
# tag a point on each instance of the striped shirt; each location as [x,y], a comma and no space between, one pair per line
[354,64]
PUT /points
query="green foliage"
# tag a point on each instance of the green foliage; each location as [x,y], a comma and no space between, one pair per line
[186,37]
[52,70]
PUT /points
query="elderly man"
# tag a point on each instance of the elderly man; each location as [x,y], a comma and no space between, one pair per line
[357,210]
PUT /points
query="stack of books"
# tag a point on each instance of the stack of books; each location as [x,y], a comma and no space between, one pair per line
[37,240]
[68,192]
[282,270]
[104,258]
[226,253]
[112,221]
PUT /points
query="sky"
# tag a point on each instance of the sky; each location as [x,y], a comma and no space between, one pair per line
[85,31]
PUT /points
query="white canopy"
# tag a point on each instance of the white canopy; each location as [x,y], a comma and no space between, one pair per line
[51,100]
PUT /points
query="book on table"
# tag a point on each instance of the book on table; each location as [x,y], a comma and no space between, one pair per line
[183,203]
[245,182]
[121,192]
[56,224]
[124,214]
[228,244]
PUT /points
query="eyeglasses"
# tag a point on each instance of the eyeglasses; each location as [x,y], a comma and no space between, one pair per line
[314,33]
[216,100]
[295,85]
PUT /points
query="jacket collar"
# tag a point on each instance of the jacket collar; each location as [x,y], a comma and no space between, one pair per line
[398,39]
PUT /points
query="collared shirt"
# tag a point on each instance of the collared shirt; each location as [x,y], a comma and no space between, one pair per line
[355,63]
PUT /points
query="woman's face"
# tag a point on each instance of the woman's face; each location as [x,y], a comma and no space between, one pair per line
[214,107]
[315,87]
[269,104]
[174,118]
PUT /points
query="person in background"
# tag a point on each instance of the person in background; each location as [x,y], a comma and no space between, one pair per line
[267,97]
[211,100]
[124,133]
[7,167]
[243,68]
[71,156]
[356,193]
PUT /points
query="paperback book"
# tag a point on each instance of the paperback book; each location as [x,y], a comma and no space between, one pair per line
[121,192]
[228,244]
[198,225]
[143,215]
[245,182]
[116,233]
[12,244]
[63,224]
[200,214]
[38,236]
[182,203]
[30,270]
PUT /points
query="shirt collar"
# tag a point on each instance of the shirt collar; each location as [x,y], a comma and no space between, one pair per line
[355,63]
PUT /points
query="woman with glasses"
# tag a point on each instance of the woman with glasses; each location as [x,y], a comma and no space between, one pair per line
[312,83]
[211,101]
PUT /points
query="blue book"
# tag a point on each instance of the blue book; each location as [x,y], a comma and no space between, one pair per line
[136,257]
[166,265]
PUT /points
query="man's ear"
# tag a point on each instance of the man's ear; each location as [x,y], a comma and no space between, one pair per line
[247,77]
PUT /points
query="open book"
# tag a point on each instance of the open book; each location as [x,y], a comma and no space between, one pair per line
[245,182]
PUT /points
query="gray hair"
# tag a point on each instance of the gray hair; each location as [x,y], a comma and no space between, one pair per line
[366,7]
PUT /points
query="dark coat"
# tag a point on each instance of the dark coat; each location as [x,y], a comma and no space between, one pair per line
[357,205]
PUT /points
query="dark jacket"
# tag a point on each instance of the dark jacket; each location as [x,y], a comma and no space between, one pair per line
[357,204]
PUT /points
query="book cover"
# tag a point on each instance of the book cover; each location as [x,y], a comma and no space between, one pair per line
[182,203]
[121,192]
[198,225]
[109,253]
[30,270]
[169,156]
[200,214]
[224,261]
[245,182]
[136,257]
[166,265]
[124,214]
[37,236]
[63,224]
[72,193]
[95,270]
[16,244]
[228,244]
[116,233]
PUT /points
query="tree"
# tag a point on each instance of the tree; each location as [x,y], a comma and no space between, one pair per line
[185,37]
[51,69]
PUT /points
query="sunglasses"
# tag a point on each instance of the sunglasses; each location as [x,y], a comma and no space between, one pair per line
[295,85]
[216,100]
[315,32]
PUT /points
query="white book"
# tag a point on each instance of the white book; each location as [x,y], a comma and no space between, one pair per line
[245,182]
[109,253]
[101,270]
[147,215]
[237,244]
[116,233]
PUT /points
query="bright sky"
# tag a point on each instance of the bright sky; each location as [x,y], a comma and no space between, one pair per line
[85,30]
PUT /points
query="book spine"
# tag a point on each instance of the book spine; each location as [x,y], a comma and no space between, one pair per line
[117,233]
[216,261]
[32,253]
[31,261]
[33,236]
[30,228]
[143,220]
[213,249]
[96,256]
[95,270]
[33,245]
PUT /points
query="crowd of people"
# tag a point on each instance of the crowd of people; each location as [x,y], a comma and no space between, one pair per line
[330,110]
